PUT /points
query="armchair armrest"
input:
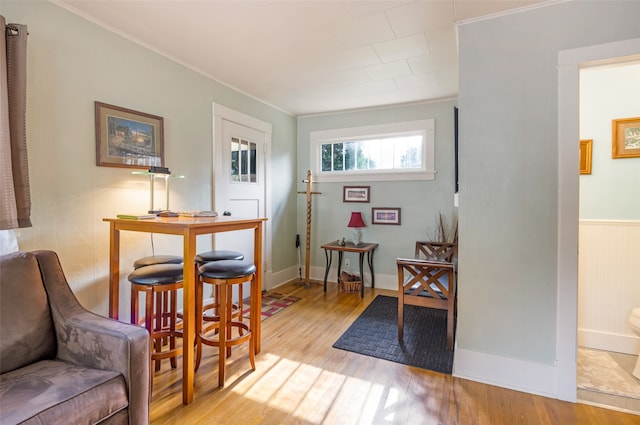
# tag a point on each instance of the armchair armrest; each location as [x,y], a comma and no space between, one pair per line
[94,341]
[425,263]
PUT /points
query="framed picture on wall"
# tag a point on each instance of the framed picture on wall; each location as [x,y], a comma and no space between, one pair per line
[585,156]
[626,138]
[355,193]
[385,216]
[127,138]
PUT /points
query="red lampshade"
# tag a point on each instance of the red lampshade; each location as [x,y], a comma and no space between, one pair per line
[356,220]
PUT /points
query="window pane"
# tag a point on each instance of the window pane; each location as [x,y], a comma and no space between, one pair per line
[338,157]
[252,162]
[371,150]
[235,164]
[350,156]
[244,161]
[326,157]
[408,152]
[386,155]
[363,161]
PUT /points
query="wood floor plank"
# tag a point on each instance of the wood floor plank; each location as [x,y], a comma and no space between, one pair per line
[301,379]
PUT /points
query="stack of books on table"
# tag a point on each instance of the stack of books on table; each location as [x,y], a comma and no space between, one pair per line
[136,216]
[198,213]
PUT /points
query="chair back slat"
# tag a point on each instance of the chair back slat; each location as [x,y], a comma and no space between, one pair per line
[435,251]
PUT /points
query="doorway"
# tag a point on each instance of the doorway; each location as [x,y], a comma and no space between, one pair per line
[241,180]
[569,63]
[609,241]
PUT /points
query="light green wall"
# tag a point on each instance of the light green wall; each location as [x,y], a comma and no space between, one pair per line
[610,192]
[420,201]
[71,64]
[509,177]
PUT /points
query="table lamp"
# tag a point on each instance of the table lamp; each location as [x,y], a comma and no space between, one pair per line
[356,222]
[153,173]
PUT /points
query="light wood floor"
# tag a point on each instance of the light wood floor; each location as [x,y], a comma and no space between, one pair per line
[301,379]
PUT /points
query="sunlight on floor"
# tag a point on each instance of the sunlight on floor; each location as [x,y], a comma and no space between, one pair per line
[325,393]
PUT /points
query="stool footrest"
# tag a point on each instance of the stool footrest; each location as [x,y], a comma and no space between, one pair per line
[236,340]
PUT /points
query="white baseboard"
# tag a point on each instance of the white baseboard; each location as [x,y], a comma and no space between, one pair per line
[627,344]
[504,372]
[283,276]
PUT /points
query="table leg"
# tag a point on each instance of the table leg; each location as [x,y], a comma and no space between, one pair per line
[328,254]
[360,263]
[114,272]
[188,319]
[340,254]
[373,276]
[257,258]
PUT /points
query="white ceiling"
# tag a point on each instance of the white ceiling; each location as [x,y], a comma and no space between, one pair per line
[306,56]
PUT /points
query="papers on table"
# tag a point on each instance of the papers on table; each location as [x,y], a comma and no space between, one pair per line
[198,213]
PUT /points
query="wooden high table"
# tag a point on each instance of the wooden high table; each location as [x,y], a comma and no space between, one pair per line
[189,228]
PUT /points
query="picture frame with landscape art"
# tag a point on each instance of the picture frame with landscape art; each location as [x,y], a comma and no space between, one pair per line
[385,216]
[626,138]
[127,138]
[355,193]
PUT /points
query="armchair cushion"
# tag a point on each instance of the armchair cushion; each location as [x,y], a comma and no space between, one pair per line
[59,392]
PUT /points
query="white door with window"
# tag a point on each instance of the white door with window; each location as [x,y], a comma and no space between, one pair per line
[241,145]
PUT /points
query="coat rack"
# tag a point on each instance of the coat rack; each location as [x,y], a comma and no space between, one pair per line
[309,181]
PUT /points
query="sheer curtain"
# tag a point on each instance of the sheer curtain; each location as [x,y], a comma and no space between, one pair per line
[15,197]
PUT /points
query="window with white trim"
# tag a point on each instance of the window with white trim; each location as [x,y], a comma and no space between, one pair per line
[397,151]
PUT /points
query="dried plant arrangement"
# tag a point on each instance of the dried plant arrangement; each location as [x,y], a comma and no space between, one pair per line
[445,232]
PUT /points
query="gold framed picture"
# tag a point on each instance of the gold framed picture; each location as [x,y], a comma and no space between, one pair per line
[626,138]
[586,147]
[127,138]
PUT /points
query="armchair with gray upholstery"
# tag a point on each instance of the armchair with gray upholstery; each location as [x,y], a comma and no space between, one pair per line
[59,363]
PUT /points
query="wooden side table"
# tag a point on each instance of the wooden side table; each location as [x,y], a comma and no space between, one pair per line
[362,248]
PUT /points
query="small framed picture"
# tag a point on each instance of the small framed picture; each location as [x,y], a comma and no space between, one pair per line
[385,216]
[127,138]
[355,194]
[586,147]
[626,138]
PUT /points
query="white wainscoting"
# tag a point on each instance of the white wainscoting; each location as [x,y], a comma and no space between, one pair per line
[608,284]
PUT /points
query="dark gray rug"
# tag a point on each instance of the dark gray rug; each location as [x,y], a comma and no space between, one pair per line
[375,333]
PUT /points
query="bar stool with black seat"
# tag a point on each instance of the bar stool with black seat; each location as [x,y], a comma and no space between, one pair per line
[210,309]
[225,274]
[157,259]
[218,255]
[159,282]
[161,297]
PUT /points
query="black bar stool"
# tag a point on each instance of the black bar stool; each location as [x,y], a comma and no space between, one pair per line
[210,309]
[225,274]
[157,259]
[160,282]
[160,259]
